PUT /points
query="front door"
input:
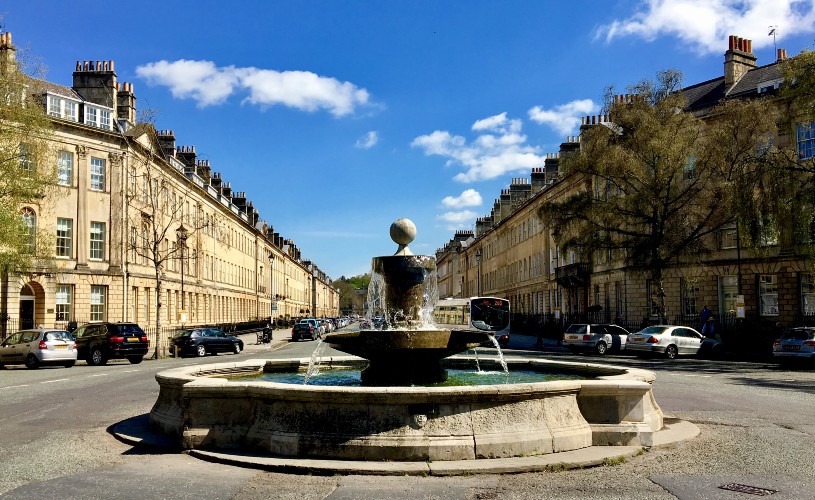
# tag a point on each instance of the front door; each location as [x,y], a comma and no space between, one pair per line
[26,313]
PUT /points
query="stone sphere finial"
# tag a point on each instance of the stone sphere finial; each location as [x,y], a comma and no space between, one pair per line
[403,231]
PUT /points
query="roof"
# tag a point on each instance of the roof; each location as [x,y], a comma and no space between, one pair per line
[42,86]
[709,93]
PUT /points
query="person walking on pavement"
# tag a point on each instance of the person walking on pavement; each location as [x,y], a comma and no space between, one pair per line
[704,316]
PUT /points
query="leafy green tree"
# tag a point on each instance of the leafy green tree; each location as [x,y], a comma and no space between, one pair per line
[658,184]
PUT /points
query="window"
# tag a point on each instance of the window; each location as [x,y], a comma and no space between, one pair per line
[97,174]
[59,107]
[729,237]
[104,119]
[90,116]
[806,140]
[26,159]
[98,302]
[808,294]
[30,223]
[690,294]
[97,241]
[728,293]
[65,168]
[768,294]
[132,182]
[64,301]
[64,237]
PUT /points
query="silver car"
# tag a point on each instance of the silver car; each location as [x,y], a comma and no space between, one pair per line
[595,338]
[667,340]
[37,347]
[795,344]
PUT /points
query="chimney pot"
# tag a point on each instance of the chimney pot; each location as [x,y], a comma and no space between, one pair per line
[78,66]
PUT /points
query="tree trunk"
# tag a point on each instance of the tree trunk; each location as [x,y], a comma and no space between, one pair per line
[157,353]
[658,287]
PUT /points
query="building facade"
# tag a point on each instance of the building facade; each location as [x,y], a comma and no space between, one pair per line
[144,230]
[512,254]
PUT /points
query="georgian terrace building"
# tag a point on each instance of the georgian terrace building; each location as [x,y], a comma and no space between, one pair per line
[513,255]
[123,186]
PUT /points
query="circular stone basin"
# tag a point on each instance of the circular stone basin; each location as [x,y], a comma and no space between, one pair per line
[199,408]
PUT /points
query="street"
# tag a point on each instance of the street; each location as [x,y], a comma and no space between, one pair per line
[756,422]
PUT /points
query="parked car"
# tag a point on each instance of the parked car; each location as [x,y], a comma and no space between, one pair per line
[795,344]
[205,340]
[38,347]
[596,338]
[97,343]
[670,341]
[308,328]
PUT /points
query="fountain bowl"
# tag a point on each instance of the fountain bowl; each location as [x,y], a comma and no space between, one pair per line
[201,408]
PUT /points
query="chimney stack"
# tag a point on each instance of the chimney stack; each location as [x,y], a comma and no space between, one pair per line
[8,56]
[125,102]
[738,60]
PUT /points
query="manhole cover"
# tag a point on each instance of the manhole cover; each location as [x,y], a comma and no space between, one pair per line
[752,490]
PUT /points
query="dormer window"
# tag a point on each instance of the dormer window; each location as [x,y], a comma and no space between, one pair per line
[97,117]
[61,107]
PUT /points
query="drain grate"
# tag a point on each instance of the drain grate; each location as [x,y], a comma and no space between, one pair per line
[752,490]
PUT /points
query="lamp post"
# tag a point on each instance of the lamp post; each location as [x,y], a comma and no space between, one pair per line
[271,287]
[478,270]
[181,235]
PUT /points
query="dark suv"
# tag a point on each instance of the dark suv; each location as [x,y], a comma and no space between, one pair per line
[200,341]
[96,343]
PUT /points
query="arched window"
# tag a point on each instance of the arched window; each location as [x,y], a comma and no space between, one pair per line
[30,231]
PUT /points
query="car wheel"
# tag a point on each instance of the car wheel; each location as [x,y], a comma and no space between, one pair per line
[670,352]
[201,350]
[31,362]
[68,364]
[236,348]
[97,357]
[601,348]
[134,360]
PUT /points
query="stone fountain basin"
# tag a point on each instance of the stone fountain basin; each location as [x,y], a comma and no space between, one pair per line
[199,408]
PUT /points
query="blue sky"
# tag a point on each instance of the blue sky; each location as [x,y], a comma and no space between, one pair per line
[339,117]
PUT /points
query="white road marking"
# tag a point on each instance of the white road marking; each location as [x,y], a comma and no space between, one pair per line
[15,386]
[57,380]
[99,375]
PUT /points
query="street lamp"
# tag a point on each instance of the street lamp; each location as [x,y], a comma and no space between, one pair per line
[271,287]
[181,235]
[478,269]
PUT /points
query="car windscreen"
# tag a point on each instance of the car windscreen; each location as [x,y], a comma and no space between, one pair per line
[129,329]
[797,335]
[57,335]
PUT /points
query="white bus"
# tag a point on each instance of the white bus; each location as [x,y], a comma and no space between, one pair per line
[489,314]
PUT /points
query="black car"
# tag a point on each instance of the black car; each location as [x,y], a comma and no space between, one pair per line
[96,343]
[200,341]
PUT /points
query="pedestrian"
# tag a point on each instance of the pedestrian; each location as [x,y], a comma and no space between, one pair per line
[709,328]
[704,316]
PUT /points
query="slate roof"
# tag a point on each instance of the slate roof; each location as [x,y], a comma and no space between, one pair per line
[42,86]
[706,94]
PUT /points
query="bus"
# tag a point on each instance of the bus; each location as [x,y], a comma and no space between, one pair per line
[489,314]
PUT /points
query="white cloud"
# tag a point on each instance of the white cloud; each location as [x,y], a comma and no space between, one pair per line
[209,84]
[458,220]
[367,141]
[468,198]
[564,118]
[490,155]
[705,24]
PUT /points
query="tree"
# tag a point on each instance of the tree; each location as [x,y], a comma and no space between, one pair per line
[27,176]
[348,289]
[164,228]
[657,184]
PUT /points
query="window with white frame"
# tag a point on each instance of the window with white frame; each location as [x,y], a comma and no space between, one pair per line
[104,119]
[690,295]
[65,168]
[768,294]
[805,133]
[65,234]
[97,241]
[97,174]
[808,294]
[729,237]
[64,302]
[90,115]
[60,107]
[98,302]
[26,162]
[30,230]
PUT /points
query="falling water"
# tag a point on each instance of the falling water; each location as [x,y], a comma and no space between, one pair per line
[377,304]
[477,364]
[500,354]
[314,362]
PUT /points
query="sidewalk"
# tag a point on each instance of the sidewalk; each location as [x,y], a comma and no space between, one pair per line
[280,337]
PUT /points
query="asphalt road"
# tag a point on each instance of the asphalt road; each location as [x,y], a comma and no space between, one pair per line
[757,429]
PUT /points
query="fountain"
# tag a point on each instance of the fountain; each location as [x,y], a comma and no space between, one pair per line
[390,418]
[408,350]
